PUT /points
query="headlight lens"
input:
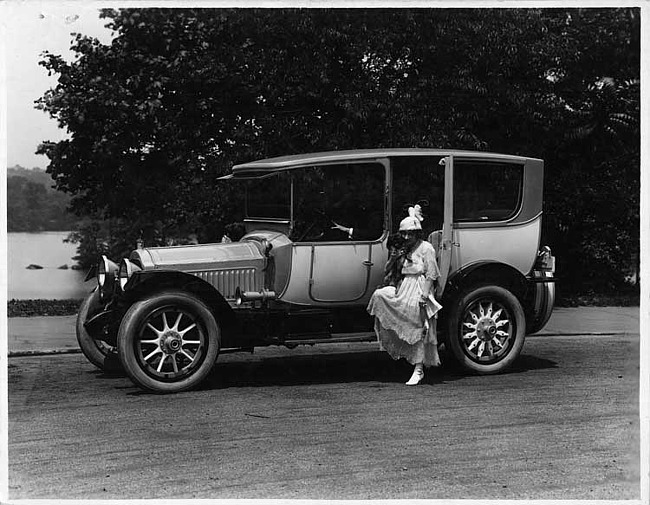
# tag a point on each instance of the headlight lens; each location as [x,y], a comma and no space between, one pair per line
[106,274]
[126,271]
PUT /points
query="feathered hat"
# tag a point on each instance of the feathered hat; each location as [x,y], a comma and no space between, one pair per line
[413,220]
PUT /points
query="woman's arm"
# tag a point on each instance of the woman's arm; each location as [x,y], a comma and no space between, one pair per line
[431,273]
[427,289]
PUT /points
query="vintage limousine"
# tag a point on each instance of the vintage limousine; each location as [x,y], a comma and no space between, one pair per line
[314,249]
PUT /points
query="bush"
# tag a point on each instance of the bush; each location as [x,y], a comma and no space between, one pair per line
[31,308]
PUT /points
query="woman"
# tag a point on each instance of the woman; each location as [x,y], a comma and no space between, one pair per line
[405,316]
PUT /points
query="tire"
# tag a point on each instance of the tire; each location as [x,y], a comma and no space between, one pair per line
[542,307]
[487,329]
[99,353]
[168,343]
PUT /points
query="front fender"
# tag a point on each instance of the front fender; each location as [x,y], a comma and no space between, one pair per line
[103,326]
[143,283]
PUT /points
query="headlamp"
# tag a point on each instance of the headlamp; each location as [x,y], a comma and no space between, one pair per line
[106,270]
[126,271]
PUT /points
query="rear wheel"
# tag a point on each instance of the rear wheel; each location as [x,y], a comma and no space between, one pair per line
[486,329]
[99,353]
[168,343]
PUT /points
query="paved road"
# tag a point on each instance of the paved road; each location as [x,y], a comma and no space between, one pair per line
[334,423]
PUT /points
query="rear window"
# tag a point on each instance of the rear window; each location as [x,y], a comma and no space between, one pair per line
[486,191]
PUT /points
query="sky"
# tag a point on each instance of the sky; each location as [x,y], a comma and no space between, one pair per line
[31,27]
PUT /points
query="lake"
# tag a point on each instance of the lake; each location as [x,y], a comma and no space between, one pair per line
[48,250]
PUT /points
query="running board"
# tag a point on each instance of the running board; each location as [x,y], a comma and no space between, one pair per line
[335,338]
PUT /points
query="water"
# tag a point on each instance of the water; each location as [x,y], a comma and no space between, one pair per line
[48,250]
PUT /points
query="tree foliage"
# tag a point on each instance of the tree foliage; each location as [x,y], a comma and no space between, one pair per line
[182,94]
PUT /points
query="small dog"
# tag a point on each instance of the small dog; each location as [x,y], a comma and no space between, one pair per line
[396,254]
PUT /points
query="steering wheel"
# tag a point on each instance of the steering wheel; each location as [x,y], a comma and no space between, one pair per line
[320,216]
[304,234]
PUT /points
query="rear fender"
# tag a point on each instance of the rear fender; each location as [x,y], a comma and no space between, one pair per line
[144,283]
[539,302]
[485,272]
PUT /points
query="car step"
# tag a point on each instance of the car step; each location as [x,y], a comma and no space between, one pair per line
[334,338]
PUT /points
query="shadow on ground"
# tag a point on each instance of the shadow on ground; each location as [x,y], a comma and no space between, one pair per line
[373,366]
[331,368]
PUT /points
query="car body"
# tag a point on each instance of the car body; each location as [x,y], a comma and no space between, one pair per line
[313,252]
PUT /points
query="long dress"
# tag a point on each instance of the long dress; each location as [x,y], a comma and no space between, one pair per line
[404,328]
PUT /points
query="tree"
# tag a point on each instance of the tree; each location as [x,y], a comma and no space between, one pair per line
[32,205]
[180,95]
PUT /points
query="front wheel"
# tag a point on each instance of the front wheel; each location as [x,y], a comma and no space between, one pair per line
[487,329]
[168,343]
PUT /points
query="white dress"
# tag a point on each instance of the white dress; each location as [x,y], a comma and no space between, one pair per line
[404,328]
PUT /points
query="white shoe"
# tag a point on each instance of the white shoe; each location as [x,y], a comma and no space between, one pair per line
[416,378]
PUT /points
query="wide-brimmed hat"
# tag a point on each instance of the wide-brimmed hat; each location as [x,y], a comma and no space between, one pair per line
[412,221]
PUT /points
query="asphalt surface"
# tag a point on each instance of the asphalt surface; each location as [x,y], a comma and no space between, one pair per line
[56,334]
[334,422]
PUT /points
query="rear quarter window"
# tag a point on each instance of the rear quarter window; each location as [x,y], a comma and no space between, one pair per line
[487,191]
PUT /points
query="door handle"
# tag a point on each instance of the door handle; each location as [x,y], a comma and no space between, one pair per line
[368,263]
[447,244]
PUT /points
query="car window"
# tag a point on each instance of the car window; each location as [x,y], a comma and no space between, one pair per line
[418,179]
[269,197]
[486,191]
[350,195]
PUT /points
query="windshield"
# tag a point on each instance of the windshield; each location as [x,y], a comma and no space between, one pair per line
[330,202]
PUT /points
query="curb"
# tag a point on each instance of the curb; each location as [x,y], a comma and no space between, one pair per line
[579,333]
[50,352]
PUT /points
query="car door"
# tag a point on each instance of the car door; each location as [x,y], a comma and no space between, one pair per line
[447,240]
[341,272]
[347,267]
[488,223]
[424,180]
[330,263]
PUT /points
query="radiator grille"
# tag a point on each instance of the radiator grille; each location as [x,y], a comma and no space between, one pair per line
[227,281]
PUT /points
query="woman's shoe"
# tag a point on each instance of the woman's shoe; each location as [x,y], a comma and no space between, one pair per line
[418,375]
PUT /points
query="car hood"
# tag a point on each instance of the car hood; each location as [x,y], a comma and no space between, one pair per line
[201,257]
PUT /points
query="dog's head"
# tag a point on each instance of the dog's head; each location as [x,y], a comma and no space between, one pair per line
[395,242]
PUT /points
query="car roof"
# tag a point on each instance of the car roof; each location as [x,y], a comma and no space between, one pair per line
[269,165]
